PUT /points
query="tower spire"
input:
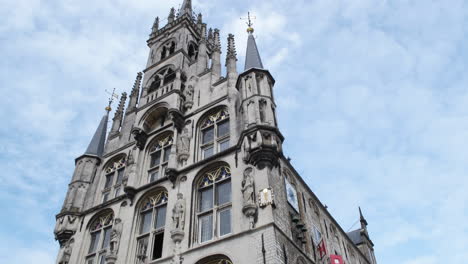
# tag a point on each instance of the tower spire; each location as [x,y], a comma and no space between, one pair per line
[134,94]
[118,116]
[362,219]
[186,8]
[96,146]
[252,56]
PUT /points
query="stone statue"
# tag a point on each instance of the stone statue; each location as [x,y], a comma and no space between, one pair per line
[188,93]
[178,213]
[184,142]
[116,233]
[248,187]
[66,253]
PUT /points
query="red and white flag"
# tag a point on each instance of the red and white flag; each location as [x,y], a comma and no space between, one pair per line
[336,259]
[322,250]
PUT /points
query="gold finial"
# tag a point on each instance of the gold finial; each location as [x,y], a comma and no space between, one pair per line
[249,23]
[111,99]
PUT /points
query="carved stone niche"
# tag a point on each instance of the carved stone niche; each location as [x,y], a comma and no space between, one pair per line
[65,227]
[262,149]
[140,137]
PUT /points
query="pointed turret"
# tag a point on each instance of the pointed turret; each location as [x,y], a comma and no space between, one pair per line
[118,116]
[96,146]
[231,59]
[155,27]
[186,8]
[134,94]
[171,16]
[252,56]
[216,57]
[262,139]
[362,219]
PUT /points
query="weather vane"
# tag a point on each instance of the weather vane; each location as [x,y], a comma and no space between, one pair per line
[249,22]
[111,99]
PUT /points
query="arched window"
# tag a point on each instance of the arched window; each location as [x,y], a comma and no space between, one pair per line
[163,77]
[152,220]
[167,49]
[214,133]
[214,204]
[100,239]
[192,51]
[114,176]
[159,157]
[218,259]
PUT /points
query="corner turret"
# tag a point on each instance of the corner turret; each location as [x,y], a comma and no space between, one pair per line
[261,138]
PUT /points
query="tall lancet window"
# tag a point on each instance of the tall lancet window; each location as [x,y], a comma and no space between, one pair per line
[159,157]
[215,133]
[114,172]
[100,239]
[152,221]
[214,204]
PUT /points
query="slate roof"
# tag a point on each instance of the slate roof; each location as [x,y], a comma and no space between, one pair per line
[252,56]
[96,146]
[355,236]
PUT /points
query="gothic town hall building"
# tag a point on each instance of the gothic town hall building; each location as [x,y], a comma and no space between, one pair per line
[192,170]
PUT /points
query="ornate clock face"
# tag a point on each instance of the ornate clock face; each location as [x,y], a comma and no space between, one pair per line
[292,195]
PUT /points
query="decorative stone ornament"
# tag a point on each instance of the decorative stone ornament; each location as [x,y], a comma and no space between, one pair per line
[262,148]
[183,146]
[140,137]
[65,228]
[188,94]
[66,252]
[248,194]
[115,236]
[266,197]
[178,219]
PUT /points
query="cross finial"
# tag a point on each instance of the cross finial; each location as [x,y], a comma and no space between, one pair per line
[249,22]
[111,99]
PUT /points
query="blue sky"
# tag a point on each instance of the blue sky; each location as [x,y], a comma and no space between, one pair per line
[372,99]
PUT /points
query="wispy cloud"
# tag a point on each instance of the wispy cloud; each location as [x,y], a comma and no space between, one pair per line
[374,91]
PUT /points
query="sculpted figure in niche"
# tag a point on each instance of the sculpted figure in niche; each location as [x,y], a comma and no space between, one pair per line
[184,142]
[248,187]
[178,212]
[188,93]
[66,253]
[131,165]
[116,233]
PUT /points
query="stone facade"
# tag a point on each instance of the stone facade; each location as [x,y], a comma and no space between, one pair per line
[192,170]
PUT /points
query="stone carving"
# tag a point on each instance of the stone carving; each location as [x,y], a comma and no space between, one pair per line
[116,233]
[188,94]
[178,213]
[250,208]
[66,252]
[140,137]
[131,166]
[266,197]
[248,187]
[178,219]
[183,146]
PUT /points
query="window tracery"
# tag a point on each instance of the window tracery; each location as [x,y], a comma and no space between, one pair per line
[114,173]
[192,51]
[163,77]
[214,204]
[100,231]
[152,221]
[168,49]
[159,157]
[215,133]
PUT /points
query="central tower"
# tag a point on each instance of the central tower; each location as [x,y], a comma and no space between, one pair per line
[192,169]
